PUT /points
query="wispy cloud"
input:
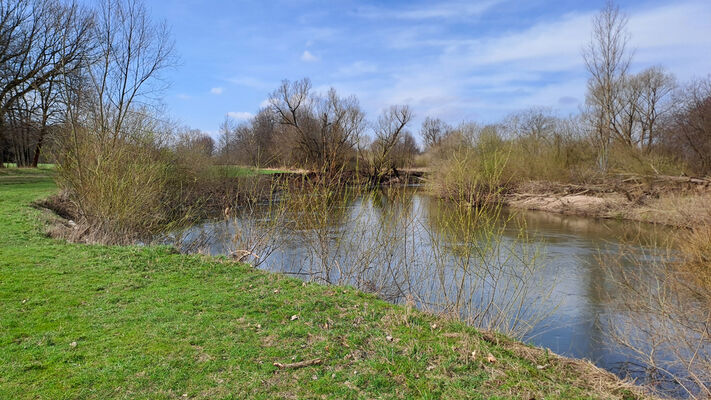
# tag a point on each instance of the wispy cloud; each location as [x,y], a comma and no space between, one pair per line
[450,9]
[307,56]
[217,90]
[540,64]
[355,69]
[240,115]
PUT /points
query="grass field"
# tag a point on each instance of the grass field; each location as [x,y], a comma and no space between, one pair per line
[95,322]
[235,171]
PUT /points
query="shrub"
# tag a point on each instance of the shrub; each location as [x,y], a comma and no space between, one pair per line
[695,246]
[123,189]
[476,174]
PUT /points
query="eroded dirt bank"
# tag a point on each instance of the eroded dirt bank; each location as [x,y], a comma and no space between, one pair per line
[667,200]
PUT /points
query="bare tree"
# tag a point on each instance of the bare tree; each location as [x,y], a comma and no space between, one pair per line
[688,133]
[433,131]
[325,128]
[534,127]
[607,59]
[264,129]
[251,142]
[39,41]
[126,72]
[654,103]
[195,141]
[388,130]
[227,143]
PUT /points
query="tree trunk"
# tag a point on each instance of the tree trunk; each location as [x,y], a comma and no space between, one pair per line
[2,145]
[38,150]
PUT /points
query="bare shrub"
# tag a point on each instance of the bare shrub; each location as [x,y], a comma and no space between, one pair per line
[119,196]
[193,154]
[475,173]
[668,305]
[113,164]
[491,279]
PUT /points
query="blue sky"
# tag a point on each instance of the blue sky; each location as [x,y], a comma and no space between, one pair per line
[457,60]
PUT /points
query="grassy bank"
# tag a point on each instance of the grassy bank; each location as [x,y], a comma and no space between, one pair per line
[81,321]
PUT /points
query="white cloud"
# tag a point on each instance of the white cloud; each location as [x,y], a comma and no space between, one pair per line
[217,90]
[676,36]
[265,103]
[306,56]
[183,96]
[544,47]
[450,9]
[240,115]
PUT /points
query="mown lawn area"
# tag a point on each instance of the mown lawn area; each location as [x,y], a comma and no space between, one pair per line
[84,321]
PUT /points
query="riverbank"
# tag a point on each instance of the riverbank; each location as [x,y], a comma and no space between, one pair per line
[674,201]
[90,321]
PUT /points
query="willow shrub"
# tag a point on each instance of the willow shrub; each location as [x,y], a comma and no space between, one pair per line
[123,188]
[474,174]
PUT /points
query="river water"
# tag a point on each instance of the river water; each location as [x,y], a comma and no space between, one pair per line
[546,278]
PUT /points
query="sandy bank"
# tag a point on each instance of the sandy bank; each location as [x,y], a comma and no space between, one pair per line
[674,201]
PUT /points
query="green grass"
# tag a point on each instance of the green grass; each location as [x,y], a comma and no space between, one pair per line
[95,322]
[40,166]
[237,171]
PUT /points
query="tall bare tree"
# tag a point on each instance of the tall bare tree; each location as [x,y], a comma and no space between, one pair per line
[607,59]
[132,53]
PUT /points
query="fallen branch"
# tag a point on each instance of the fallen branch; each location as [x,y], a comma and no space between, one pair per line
[240,255]
[299,364]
